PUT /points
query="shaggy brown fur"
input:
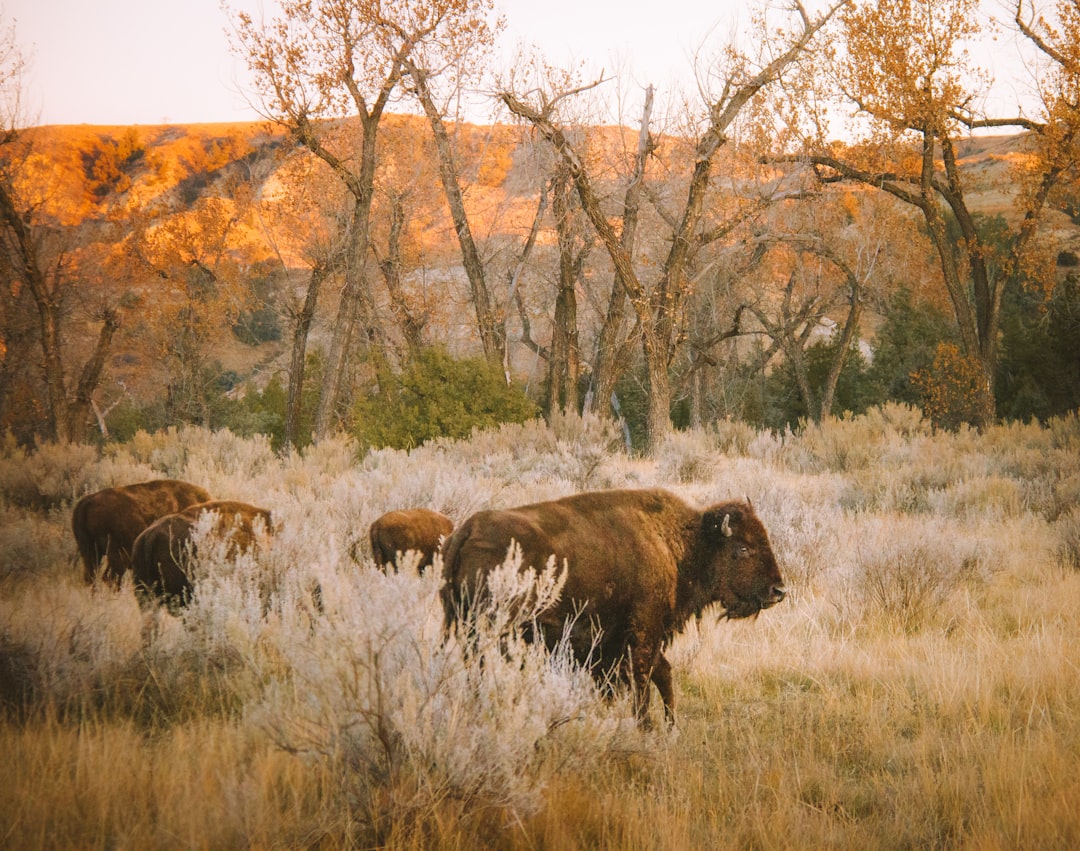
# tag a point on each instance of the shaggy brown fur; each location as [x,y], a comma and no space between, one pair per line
[640,564]
[106,523]
[419,529]
[160,554]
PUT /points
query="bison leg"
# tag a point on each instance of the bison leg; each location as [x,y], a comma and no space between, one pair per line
[661,677]
[643,665]
[117,563]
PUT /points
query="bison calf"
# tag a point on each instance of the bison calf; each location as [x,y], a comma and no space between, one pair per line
[106,523]
[161,553]
[640,563]
[419,529]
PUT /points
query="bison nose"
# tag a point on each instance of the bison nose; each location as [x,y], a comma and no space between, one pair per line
[779,592]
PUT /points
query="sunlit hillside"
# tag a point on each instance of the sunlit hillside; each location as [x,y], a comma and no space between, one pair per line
[80,165]
[254,193]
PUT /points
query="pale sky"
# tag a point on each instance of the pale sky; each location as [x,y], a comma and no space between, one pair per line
[167,61]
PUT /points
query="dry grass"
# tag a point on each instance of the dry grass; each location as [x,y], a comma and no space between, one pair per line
[920,688]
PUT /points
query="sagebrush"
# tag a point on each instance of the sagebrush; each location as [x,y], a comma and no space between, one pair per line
[914,690]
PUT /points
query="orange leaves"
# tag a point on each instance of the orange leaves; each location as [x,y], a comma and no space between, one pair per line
[955,389]
[906,65]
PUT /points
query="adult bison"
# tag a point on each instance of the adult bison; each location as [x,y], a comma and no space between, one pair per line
[640,563]
[419,529]
[160,556]
[107,522]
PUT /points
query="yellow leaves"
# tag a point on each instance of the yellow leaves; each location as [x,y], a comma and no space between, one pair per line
[495,167]
[850,204]
[955,389]
[906,64]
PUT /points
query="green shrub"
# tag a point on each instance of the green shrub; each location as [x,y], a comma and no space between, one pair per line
[1038,373]
[787,407]
[262,325]
[438,396]
[258,412]
[906,343]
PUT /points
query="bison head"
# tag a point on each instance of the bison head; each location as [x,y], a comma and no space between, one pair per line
[745,577]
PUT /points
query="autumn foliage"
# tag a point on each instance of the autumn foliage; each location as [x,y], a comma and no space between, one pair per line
[953,388]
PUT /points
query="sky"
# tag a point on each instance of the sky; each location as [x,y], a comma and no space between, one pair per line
[122,62]
[167,61]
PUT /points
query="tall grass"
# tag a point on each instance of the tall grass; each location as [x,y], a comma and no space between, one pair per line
[919,688]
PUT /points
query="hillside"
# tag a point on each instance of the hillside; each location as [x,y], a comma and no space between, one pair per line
[145,206]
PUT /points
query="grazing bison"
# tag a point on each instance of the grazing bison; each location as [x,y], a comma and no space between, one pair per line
[160,554]
[419,529]
[640,563]
[106,523]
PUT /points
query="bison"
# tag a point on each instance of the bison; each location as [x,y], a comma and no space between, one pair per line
[106,523]
[640,563]
[419,529]
[161,552]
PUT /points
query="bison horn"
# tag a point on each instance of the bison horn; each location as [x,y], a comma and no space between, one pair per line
[725,527]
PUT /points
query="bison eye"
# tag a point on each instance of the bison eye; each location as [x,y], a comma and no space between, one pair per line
[744,552]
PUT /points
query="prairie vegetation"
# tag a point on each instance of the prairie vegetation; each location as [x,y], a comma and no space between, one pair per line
[918,689]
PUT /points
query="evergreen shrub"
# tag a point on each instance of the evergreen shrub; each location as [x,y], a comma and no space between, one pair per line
[437,395]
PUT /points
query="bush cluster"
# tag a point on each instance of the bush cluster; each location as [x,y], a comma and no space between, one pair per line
[436,395]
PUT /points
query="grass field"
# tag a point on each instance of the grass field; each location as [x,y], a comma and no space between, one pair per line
[919,688]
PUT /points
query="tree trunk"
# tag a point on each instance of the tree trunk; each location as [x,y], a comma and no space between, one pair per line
[353,294]
[564,362]
[59,422]
[847,338]
[298,357]
[658,422]
[81,405]
[491,328]
[411,325]
[610,360]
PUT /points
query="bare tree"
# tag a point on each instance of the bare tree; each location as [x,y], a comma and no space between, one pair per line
[452,58]
[908,74]
[658,308]
[613,343]
[44,261]
[329,59]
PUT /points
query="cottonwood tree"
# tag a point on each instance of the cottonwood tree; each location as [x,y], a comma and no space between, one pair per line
[50,275]
[904,65]
[307,230]
[843,254]
[329,59]
[557,209]
[658,307]
[564,357]
[799,314]
[200,290]
[407,198]
[437,71]
[613,343]
[1055,38]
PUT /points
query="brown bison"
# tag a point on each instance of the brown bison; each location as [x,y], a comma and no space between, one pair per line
[106,523]
[640,563]
[160,555]
[419,529]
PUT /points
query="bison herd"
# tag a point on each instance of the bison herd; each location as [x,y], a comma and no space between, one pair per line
[639,563]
